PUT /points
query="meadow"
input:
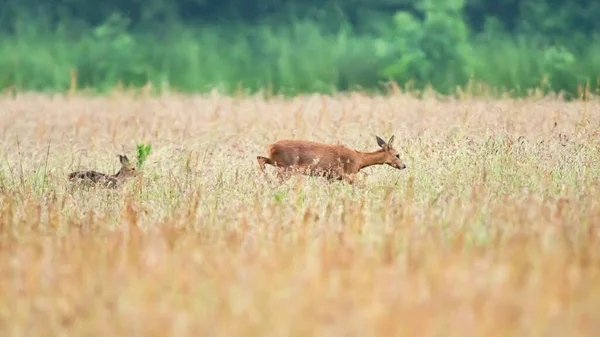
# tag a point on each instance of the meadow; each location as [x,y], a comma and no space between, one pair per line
[492,230]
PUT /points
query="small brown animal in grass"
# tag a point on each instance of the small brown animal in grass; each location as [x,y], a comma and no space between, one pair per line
[331,161]
[127,170]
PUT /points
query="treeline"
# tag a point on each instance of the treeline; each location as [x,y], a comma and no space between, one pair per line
[301,45]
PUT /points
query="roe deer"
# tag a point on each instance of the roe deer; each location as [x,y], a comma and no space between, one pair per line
[127,170]
[331,161]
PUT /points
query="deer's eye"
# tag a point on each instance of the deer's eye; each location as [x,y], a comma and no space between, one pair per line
[398,156]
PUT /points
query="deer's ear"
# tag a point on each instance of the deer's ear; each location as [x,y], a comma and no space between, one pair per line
[381,142]
[391,141]
[123,159]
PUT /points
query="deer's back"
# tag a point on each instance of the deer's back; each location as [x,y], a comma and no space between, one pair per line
[300,152]
[93,176]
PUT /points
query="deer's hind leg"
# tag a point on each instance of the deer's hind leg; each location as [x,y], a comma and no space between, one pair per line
[285,172]
[281,170]
[262,161]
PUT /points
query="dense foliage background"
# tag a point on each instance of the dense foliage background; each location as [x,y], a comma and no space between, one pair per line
[302,45]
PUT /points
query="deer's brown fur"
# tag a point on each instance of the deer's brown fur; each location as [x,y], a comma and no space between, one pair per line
[332,161]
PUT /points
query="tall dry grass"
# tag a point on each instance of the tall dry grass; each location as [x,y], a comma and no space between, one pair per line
[491,231]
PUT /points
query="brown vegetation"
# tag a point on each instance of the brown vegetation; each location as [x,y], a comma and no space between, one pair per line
[492,230]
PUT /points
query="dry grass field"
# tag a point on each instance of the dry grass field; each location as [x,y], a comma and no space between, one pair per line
[492,230]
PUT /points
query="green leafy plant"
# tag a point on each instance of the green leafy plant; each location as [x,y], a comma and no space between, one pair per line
[434,50]
[558,67]
[143,151]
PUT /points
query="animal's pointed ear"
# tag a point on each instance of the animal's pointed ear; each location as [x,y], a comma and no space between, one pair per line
[123,159]
[391,141]
[381,142]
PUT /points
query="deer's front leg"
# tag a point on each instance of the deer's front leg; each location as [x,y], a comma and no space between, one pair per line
[348,178]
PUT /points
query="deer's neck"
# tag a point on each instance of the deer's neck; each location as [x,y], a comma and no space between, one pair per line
[371,158]
[119,174]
